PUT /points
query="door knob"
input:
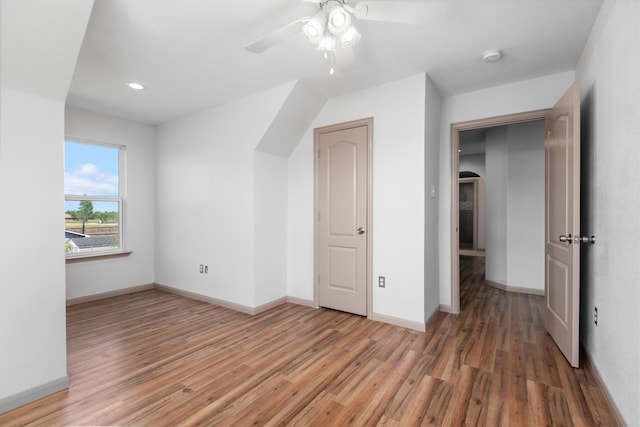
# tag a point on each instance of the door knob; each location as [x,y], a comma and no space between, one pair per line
[576,240]
[566,239]
[584,239]
[360,230]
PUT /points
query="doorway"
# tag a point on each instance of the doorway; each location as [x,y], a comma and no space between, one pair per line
[456,130]
[471,213]
[343,238]
[562,234]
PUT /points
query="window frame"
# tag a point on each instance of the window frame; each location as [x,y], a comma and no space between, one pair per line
[120,199]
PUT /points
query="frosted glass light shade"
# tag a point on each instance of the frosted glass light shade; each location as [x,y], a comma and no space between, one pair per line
[350,37]
[314,28]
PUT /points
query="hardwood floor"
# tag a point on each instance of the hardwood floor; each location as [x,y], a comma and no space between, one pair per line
[157,359]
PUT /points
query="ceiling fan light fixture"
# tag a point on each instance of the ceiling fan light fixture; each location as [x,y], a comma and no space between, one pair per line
[339,20]
[314,28]
[327,42]
[350,37]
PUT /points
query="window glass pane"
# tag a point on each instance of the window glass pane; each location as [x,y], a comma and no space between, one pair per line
[91,225]
[90,169]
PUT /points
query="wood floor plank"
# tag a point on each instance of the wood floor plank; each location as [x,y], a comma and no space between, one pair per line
[438,403]
[457,410]
[157,359]
[539,412]
[478,404]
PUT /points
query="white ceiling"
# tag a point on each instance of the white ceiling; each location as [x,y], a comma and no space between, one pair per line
[190,53]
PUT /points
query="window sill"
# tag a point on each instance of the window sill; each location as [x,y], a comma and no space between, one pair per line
[95,257]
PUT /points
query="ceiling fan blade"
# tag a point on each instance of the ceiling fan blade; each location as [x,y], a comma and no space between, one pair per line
[402,12]
[276,36]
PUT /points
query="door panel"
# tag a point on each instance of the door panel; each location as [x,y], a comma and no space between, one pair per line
[341,210]
[562,259]
[343,269]
[557,299]
[342,163]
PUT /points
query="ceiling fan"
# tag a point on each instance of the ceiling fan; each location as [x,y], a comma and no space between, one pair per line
[333,22]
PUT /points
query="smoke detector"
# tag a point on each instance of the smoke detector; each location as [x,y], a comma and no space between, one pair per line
[492,55]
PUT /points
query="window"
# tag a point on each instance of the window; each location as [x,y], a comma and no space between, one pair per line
[94,200]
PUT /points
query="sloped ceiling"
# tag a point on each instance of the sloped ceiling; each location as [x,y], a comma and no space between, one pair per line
[38,53]
[190,53]
[295,116]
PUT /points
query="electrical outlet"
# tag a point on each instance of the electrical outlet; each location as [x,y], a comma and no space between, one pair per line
[381,281]
[595,315]
[201,268]
[206,269]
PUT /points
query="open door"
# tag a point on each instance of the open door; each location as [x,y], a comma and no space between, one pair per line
[562,240]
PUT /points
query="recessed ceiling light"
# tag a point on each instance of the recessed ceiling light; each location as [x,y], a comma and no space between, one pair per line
[135,86]
[492,55]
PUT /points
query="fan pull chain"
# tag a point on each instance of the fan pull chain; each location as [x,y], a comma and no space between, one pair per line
[331,70]
[330,55]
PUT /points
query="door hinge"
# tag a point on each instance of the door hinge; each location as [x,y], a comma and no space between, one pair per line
[318,154]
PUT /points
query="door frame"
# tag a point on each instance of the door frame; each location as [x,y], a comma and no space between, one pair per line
[456,128]
[368,122]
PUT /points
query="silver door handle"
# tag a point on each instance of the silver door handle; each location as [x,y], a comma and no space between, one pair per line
[584,239]
[576,240]
[566,239]
[360,230]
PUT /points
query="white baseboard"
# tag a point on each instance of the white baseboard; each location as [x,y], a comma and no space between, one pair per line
[409,324]
[302,301]
[446,308]
[33,394]
[268,306]
[222,303]
[437,310]
[603,387]
[516,289]
[115,293]
[242,308]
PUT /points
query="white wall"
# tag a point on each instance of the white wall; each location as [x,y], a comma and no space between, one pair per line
[525,206]
[608,77]
[515,205]
[300,232]
[528,95]
[205,198]
[433,107]
[473,163]
[496,157]
[95,277]
[398,109]
[270,222]
[39,44]
[32,308]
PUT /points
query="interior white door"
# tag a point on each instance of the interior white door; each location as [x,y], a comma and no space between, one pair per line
[341,218]
[562,250]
